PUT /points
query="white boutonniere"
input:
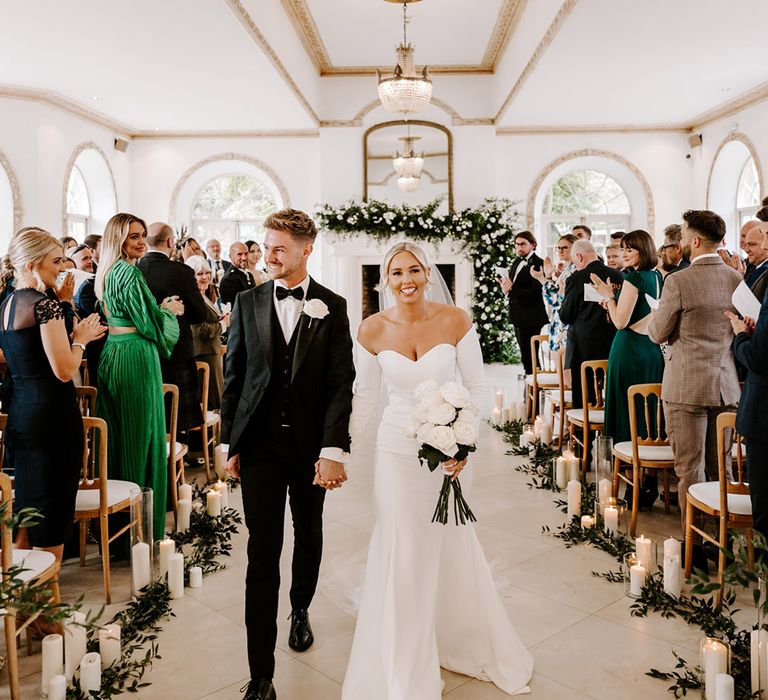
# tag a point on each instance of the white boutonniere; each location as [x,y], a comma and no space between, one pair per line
[315,309]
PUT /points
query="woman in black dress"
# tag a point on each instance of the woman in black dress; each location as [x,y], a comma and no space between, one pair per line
[45,429]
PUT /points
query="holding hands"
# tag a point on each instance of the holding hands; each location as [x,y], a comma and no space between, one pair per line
[329,474]
[174,305]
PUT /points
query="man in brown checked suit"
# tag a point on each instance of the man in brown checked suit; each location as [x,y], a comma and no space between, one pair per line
[700,378]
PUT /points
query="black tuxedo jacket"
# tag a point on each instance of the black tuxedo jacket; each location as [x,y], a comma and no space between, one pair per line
[225,265]
[167,278]
[590,331]
[526,304]
[323,371]
[232,283]
[751,351]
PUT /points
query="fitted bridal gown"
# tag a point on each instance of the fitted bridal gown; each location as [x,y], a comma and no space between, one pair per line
[428,597]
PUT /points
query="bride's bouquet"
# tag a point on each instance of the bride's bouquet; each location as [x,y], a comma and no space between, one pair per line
[445,425]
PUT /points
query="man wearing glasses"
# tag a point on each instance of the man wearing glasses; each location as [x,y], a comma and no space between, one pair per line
[671,252]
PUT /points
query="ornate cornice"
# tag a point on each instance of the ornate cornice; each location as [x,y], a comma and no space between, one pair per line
[250,26]
[304,24]
[88,145]
[506,23]
[18,211]
[741,138]
[591,129]
[234,134]
[728,109]
[650,207]
[260,164]
[540,50]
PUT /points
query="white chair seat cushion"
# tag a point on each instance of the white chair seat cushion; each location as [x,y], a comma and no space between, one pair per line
[650,453]
[567,394]
[543,378]
[117,491]
[735,450]
[34,560]
[708,492]
[211,417]
[180,449]
[595,416]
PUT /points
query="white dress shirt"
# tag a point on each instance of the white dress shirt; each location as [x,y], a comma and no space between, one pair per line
[522,265]
[288,313]
[703,256]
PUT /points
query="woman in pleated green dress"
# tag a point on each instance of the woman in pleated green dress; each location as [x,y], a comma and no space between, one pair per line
[130,397]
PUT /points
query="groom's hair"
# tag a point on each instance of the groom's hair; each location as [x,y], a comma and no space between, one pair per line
[295,222]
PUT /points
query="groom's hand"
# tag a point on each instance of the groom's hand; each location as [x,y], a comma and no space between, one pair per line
[233,466]
[329,474]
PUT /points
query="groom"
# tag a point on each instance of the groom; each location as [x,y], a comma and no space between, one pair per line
[285,413]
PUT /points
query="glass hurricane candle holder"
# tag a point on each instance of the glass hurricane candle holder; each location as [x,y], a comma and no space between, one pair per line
[714,658]
[611,515]
[634,575]
[759,644]
[142,542]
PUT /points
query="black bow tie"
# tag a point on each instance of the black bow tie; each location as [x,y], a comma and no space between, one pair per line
[283,293]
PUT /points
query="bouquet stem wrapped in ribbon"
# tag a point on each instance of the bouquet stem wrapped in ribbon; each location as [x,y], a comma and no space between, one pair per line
[446,426]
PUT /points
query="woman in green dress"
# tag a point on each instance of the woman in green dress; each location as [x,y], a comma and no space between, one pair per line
[634,357]
[130,397]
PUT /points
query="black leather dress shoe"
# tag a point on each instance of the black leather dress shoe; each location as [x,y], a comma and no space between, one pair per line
[301,637]
[260,689]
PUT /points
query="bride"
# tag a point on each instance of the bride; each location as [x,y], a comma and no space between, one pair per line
[428,598]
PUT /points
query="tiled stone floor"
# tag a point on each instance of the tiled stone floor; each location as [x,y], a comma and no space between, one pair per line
[583,639]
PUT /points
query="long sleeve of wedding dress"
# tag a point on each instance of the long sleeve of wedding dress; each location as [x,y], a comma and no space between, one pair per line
[366,396]
[469,362]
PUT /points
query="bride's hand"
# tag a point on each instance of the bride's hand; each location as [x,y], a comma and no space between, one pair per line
[453,467]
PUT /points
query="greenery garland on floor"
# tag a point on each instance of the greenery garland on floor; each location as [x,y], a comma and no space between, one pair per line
[206,539]
[485,234]
[698,609]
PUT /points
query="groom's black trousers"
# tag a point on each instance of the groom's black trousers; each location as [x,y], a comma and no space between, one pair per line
[266,479]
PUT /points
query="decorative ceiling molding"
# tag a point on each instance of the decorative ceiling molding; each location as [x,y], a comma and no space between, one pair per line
[260,164]
[18,211]
[592,128]
[741,138]
[506,23]
[301,18]
[87,146]
[246,20]
[728,109]
[546,40]
[234,134]
[650,207]
[55,99]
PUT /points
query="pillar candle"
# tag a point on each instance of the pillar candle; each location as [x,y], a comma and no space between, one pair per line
[714,660]
[496,416]
[546,434]
[185,491]
[643,548]
[219,459]
[672,548]
[506,415]
[141,566]
[167,547]
[499,399]
[223,488]
[90,673]
[213,503]
[195,577]
[724,687]
[183,514]
[53,660]
[57,688]
[574,499]
[604,487]
[520,410]
[176,575]
[574,469]
[587,521]
[637,575]
[538,426]
[611,517]
[672,575]
[75,641]
[758,659]
[109,644]
[530,437]
[561,473]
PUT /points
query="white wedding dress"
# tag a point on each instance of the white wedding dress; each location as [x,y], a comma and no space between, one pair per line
[428,599]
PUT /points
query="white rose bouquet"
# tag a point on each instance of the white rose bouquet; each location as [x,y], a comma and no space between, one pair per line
[445,425]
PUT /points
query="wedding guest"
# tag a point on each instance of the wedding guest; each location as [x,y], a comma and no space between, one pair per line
[762,214]
[169,278]
[614,258]
[616,236]
[552,280]
[526,305]
[237,279]
[672,258]
[83,258]
[206,335]
[68,242]
[590,332]
[700,379]
[188,247]
[760,285]
[45,430]
[93,241]
[68,264]
[757,256]
[218,266]
[254,256]
[634,358]
[130,397]
[582,231]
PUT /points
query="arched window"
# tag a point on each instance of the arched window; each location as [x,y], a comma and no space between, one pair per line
[231,208]
[586,197]
[748,192]
[78,205]
[7,209]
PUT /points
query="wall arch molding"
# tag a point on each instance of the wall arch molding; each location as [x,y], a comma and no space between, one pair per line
[742,138]
[83,148]
[18,210]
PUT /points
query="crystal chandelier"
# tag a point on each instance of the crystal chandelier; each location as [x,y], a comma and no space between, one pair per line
[405,91]
[408,165]
[408,184]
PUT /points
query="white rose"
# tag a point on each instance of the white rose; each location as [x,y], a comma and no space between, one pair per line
[466,433]
[428,393]
[424,431]
[441,413]
[442,438]
[455,394]
[468,414]
[315,308]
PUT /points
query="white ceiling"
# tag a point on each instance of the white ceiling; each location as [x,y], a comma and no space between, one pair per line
[196,65]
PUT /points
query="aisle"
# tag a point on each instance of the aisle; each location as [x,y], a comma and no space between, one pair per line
[585,643]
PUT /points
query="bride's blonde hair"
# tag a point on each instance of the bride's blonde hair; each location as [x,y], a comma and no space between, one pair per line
[402,247]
